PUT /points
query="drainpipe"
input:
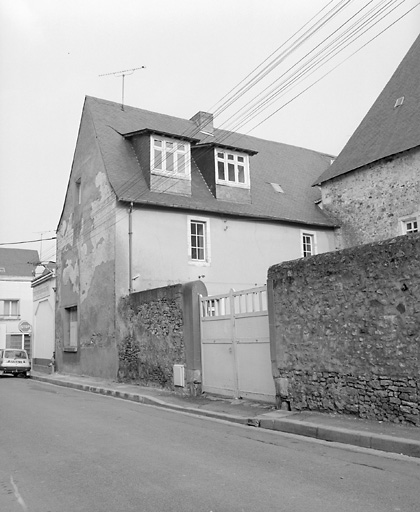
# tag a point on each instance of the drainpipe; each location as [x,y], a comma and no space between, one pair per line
[130,248]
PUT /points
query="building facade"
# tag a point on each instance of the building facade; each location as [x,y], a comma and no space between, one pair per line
[17,268]
[154,200]
[43,342]
[372,189]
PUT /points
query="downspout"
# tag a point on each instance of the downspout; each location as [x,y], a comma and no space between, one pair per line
[130,248]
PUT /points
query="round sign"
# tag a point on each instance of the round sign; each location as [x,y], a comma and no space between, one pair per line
[24,326]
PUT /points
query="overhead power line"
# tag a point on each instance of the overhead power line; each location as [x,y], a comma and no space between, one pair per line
[29,241]
[105,218]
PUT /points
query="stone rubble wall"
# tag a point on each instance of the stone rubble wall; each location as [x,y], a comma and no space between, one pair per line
[157,329]
[369,202]
[154,337]
[345,330]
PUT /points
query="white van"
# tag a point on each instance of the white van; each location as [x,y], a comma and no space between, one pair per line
[15,361]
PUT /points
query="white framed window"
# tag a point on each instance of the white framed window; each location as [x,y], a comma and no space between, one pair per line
[308,243]
[170,157]
[9,308]
[199,240]
[410,224]
[232,168]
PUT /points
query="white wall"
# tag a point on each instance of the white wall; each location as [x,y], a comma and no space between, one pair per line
[241,250]
[43,339]
[15,290]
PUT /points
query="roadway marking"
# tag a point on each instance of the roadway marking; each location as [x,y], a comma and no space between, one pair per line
[17,494]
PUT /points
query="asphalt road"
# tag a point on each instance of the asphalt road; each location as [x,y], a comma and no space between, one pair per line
[65,450]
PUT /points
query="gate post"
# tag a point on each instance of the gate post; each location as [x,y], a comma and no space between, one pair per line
[234,342]
[192,338]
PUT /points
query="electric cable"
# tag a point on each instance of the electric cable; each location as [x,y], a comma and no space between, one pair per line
[134,179]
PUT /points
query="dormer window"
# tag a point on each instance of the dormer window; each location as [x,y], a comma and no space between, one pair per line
[232,168]
[170,157]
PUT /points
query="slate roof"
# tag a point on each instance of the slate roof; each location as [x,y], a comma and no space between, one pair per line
[386,130]
[18,262]
[293,168]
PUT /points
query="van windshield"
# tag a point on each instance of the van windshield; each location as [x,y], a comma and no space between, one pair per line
[15,354]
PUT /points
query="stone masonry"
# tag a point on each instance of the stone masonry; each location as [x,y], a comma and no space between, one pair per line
[154,339]
[345,330]
[370,202]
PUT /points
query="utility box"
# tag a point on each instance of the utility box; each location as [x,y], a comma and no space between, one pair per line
[179,375]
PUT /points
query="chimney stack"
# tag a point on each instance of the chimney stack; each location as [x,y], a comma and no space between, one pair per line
[204,121]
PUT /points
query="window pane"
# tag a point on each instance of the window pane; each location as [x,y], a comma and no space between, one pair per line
[230,157]
[200,229]
[73,327]
[411,226]
[170,162]
[10,308]
[221,170]
[241,174]
[198,242]
[14,307]
[221,155]
[181,164]
[231,172]
[307,245]
[240,159]
[158,159]
[170,156]
[14,341]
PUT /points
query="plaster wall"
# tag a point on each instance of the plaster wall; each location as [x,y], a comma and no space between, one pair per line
[368,202]
[17,290]
[43,340]
[241,251]
[86,263]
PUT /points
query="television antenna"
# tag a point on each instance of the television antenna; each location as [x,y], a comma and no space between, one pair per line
[123,74]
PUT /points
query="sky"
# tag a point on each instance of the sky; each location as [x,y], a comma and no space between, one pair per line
[194,53]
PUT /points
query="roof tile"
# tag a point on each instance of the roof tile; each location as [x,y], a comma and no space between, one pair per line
[386,129]
[292,167]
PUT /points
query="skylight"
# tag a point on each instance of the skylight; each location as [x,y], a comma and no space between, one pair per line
[277,188]
[399,102]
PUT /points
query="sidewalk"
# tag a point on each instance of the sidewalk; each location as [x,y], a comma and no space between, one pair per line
[387,437]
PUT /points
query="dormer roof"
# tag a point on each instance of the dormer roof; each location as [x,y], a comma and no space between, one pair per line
[160,132]
[391,126]
[292,167]
[222,145]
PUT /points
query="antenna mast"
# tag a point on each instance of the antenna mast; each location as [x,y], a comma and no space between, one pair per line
[123,74]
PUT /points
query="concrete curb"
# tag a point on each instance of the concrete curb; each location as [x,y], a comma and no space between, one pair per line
[384,443]
[145,399]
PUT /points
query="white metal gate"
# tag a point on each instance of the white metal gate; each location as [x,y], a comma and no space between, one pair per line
[235,345]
